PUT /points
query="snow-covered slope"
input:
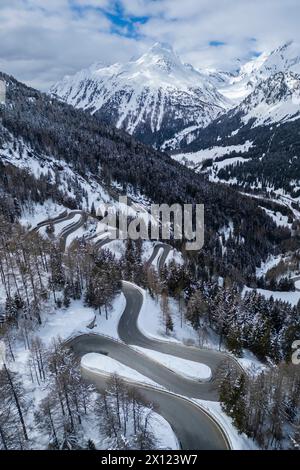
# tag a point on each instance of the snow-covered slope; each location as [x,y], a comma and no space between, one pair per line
[276,99]
[155,97]
[264,123]
[266,92]
[284,59]
[166,103]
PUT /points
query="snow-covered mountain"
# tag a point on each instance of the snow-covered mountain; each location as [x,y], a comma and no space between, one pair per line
[266,92]
[168,104]
[274,100]
[156,98]
[54,155]
[284,59]
[256,143]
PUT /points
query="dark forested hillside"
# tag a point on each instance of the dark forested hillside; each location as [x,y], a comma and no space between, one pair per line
[272,160]
[53,129]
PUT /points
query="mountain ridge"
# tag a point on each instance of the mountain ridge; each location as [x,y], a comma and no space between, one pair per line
[70,150]
[166,103]
[153,98]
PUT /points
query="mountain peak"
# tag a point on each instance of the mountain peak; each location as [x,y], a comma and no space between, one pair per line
[285,58]
[161,48]
[161,56]
[154,97]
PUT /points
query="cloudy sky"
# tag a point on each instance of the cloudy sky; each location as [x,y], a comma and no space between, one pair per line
[43,40]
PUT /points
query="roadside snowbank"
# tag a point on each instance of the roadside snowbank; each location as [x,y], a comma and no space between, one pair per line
[250,363]
[109,327]
[77,318]
[188,369]
[150,322]
[238,441]
[66,322]
[100,364]
[105,365]
[297,284]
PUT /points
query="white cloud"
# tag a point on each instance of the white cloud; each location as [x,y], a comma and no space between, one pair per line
[41,43]
[43,40]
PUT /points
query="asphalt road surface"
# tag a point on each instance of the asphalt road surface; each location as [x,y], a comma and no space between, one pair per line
[162,258]
[194,428]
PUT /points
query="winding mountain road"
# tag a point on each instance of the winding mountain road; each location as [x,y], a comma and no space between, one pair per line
[68,229]
[162,257]
[73,227]
[195,428]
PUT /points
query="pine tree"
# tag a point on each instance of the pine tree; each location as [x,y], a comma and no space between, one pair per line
[169,323]
[234,341]
[196,309]
[91,445]
[238,411]
[93,210]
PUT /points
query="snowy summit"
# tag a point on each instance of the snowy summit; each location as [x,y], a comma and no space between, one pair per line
[154,97]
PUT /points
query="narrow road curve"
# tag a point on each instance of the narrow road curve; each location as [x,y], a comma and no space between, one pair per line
[194,427]
[62,216]
[68,229]
[162,258]
[130,334]
[295,279]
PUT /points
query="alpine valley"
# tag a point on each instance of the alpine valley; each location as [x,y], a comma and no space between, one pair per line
[110,342]
[239,127]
